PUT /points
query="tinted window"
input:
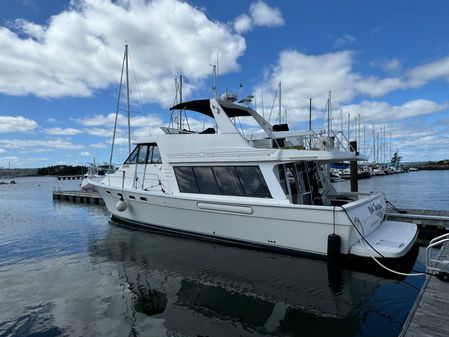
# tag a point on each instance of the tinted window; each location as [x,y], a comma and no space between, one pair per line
[206,180]
[156,157]
[227,180]
[132,159]
[142,157]
[252,181]
[186,179]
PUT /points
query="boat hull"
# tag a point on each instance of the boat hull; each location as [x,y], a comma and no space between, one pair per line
[288,228]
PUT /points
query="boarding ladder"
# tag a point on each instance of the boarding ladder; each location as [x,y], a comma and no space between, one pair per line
[438,266]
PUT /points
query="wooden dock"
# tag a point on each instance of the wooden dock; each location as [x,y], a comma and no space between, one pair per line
[428,316]
[422,217]
[83,197]
[73,177]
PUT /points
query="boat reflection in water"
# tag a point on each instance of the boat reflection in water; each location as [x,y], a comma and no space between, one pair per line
[198,288]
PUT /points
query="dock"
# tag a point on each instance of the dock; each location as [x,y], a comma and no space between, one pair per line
[422,217]
[428,316]
[84,197]
[73,177]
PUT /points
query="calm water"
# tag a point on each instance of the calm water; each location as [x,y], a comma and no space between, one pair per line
[65,270]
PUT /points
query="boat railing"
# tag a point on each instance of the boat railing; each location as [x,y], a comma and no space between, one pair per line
[440,265]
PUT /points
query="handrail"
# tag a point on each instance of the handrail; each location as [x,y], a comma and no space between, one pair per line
[434,242]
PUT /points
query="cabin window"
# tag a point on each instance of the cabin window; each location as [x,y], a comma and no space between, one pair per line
[252,181]
[186,180]
[222,180]
[228,180]
[142,157]
[205,178]
[132,159]
[145,153]
[156,156]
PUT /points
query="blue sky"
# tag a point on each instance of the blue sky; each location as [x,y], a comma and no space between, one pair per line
[385,62]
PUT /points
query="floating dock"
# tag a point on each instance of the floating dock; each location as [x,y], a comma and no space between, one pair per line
[74,177]
[84,197]
[422,217]
[428,316]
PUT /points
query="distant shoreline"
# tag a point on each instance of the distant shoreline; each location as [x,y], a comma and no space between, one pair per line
[6,173]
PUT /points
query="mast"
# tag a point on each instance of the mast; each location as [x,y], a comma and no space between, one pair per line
[280,103]
[329,114]
[117,106]
[127,100]
[180,101]
[310,113]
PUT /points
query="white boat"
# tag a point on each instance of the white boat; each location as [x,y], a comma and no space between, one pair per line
[95,174]
[253,191]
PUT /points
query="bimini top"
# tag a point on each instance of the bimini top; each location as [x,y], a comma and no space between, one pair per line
[203,106]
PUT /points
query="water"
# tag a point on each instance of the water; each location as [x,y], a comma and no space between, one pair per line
[65,270]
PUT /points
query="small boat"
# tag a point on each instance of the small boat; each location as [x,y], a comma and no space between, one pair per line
[258,191]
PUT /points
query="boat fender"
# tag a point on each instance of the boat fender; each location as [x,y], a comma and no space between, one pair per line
[333,248]
[121,205]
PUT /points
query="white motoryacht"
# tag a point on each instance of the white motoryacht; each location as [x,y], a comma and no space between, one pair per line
[257,191]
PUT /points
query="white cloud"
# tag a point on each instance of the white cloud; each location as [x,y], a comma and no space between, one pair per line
[260,14]
[10,124]
[79,49]
[303,76]
[2,151]
[63,132]
[383,111]
[264,15]
[99,145]
[39,145]
[122,120]
[243,23]
[438,69]
[86,154]
[344,40]
[388,65]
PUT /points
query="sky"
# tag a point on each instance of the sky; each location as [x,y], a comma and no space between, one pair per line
[384,63]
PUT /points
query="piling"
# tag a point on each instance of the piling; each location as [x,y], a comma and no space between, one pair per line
[353,168]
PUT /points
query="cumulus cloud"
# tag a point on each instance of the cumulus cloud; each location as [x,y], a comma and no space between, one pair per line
[264,15]
[9,124]
[76,53]
[260,14]
[303,76]
[63,132]
[383,111]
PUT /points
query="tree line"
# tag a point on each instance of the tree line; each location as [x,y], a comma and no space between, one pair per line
[61,170]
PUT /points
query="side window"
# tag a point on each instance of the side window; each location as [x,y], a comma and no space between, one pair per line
[156,157]
[227,180]
[206,180]
[142,157]
[186,179]
[252,181]
[132,159]
[150,153]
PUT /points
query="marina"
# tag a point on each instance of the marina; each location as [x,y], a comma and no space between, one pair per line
[175,168]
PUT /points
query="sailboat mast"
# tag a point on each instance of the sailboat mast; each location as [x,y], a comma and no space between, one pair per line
[117,108]
[280,103]
[127,100]
[329,115]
